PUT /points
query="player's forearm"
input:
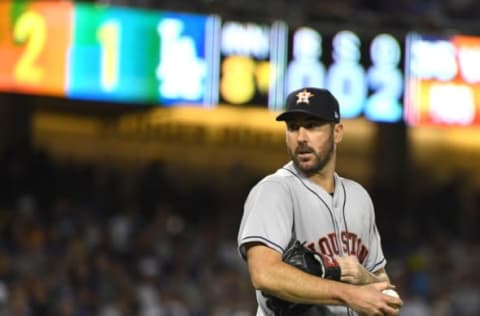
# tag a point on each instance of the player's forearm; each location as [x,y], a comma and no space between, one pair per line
[293,285]
[369,277]
[354,272]
[318,292]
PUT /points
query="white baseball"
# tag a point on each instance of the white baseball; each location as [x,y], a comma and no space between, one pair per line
[391,292]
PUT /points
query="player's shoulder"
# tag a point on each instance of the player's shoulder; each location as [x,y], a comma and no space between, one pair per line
[283,174]
[281,177]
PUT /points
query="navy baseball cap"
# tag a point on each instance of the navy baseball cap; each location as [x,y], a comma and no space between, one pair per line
[316,102]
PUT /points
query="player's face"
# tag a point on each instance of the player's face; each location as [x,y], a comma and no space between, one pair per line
[311,142]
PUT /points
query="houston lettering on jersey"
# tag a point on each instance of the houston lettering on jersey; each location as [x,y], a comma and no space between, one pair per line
[351,244]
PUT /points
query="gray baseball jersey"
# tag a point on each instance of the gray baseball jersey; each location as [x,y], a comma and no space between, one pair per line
[287,206]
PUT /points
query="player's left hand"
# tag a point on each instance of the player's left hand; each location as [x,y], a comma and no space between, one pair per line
[353,271]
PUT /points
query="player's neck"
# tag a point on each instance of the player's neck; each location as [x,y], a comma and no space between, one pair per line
[325,180]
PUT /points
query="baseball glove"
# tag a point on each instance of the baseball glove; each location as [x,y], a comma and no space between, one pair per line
[308,261]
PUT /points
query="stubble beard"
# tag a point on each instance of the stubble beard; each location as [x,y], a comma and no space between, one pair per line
[315,165]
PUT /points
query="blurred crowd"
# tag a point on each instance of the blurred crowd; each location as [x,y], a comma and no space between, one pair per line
[81,239]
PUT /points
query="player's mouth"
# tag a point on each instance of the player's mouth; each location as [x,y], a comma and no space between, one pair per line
[304,154]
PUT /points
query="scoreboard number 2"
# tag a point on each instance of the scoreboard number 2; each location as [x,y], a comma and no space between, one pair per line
[30,29]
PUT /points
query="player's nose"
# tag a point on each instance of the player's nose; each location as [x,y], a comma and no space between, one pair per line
[302,134]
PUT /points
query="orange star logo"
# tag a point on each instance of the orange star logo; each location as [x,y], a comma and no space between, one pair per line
[304,96]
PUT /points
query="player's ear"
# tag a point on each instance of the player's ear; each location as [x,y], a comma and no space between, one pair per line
[338,132]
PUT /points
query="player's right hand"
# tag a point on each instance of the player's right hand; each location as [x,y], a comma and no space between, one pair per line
[369,300]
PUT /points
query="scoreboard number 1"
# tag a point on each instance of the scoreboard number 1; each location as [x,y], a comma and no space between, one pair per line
[108,36]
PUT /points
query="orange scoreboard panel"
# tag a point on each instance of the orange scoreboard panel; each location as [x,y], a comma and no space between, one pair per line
[33,46]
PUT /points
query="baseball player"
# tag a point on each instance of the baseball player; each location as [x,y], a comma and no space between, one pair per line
[306,200]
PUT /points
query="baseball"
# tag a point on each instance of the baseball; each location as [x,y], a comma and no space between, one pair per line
[391,292]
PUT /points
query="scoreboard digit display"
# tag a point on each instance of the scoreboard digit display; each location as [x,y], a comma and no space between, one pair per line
[113,55]
[251,58]
[94,52]
[363,72]
[33,40]
[139,56]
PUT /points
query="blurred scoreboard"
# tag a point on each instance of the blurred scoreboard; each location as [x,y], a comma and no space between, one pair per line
[442,80]
[139,55]
[364,72]
[119,54]
[95,52]
[34,40]
[252,56]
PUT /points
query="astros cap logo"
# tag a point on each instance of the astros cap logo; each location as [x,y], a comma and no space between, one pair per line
[304,96]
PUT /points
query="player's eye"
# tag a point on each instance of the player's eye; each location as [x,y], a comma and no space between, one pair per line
[311,125]
[293,127]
